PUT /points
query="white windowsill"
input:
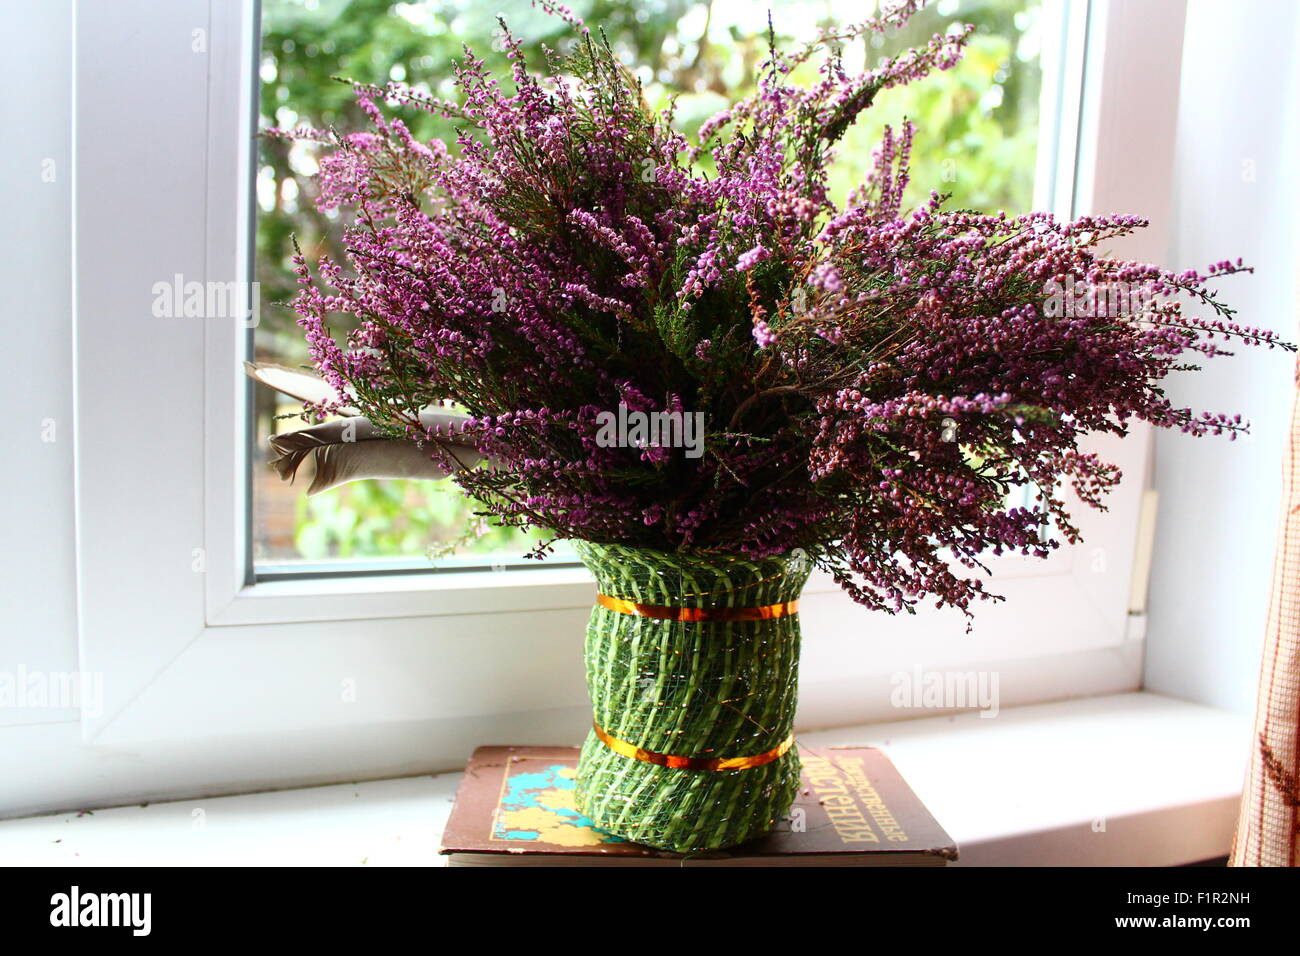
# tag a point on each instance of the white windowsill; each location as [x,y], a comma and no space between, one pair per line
[1033,786]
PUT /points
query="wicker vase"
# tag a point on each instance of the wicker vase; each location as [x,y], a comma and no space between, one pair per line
[692,665]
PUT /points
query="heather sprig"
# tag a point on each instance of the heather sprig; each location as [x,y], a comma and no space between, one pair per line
[874,383]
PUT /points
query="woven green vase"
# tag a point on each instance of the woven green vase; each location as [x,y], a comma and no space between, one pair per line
[667,692]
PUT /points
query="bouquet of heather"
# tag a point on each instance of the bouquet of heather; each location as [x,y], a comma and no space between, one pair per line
[685,357]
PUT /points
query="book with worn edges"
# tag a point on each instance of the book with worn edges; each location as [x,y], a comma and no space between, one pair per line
[515,807]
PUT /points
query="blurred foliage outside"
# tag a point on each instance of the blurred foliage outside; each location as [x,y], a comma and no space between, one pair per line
[977,127]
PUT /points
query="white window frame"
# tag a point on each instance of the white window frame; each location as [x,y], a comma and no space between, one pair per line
[192,651]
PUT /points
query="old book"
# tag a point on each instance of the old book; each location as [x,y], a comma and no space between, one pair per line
[515,807]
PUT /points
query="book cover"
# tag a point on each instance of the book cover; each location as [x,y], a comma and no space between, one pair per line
[515,806]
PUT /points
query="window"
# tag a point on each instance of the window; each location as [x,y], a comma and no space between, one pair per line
[981,130]
[193,649]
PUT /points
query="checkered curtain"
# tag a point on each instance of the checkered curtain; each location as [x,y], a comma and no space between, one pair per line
[1268,830]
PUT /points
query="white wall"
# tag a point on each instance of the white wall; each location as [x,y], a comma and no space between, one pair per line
[37,560]
[1235,194]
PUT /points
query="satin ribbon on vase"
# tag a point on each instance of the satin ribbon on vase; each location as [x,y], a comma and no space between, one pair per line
[690,763]
[659,612]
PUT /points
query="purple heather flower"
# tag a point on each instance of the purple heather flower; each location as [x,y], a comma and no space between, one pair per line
[567,253]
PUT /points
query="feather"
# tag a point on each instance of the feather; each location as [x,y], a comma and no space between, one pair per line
[352,449]
[294,382]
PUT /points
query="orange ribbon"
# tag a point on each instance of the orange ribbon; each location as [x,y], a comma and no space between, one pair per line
[690,763]
[661,612]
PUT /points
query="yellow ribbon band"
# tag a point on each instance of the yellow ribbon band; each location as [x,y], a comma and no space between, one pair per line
[660,612]
[690,763]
